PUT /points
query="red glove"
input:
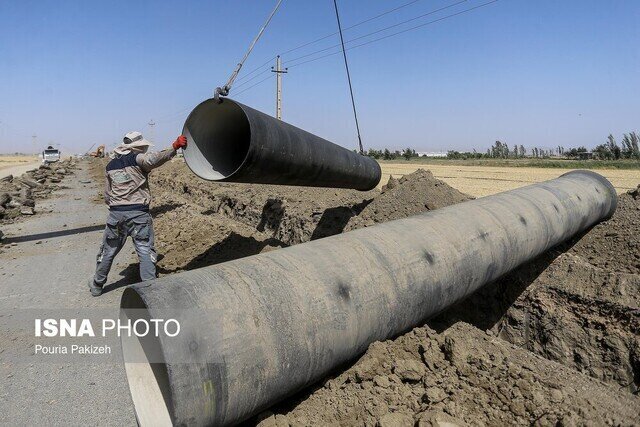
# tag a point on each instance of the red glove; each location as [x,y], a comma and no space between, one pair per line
[181,142]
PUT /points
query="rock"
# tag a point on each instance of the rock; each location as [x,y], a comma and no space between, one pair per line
[44,167]
[28,181]
[409,370]
[635,193]
[29,202]
[7,178]
[26,210]
[2,211]
[434,395]
[85,181]
[381,381]
[396,419]
[55,179]
[61,171]
[13,204]
[4,199]
[438,419]
[1,235]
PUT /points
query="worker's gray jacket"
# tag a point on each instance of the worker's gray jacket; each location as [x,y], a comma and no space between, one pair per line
[127,185]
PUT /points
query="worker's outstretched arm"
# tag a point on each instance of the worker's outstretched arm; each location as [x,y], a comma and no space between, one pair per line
[150,161]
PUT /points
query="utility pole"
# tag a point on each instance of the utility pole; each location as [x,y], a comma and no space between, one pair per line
[151,125]
[279,72]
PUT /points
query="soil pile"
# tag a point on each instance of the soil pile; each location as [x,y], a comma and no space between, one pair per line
[410,195]
[460,376]
[18,194]
[199,223]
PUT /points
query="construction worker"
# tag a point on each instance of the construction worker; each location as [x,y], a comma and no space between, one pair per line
[127,195]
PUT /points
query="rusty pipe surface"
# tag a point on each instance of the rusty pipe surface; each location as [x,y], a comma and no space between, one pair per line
[230,142]
[277,322]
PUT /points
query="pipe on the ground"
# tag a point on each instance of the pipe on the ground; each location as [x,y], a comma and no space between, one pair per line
[274,323]
[230,142]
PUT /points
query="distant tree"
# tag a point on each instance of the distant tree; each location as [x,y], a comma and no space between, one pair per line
[451,154]
[408,153]
[376,154]
[613,147]
[631,146]
[522,151]
[387,154]
[602,152]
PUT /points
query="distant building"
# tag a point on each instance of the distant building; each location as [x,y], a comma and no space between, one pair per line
[432,153]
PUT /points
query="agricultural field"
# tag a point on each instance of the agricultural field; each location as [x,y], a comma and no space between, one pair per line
[11,160]
[482,178]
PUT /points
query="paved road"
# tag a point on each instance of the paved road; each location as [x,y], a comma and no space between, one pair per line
[46,268]
[18,170]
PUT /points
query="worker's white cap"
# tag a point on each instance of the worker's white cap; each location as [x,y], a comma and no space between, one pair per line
[135,139]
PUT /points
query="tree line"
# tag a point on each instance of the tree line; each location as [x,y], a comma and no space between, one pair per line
[629,148]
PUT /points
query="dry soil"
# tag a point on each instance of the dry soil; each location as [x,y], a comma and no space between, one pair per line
[554,342]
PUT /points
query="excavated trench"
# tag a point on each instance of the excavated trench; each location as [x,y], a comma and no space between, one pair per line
[562,324]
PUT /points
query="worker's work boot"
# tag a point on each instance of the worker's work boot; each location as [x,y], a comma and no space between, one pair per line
[96,290]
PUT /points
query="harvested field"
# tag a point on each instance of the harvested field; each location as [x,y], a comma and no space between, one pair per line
[485,180]
[554,342]
[7,161]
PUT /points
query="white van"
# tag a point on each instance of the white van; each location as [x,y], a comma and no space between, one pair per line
[50,155]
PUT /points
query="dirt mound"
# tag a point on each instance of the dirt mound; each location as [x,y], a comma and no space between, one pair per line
[615,244]
[461,376]
[412,194]
[199,223]
[18,195]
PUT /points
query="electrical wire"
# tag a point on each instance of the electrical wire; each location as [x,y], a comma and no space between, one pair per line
[396,33]
[380,15]
[381,30]
[254,85]
[346,66]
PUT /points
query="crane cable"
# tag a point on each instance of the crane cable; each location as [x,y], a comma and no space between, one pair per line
[224,90]
[346,66]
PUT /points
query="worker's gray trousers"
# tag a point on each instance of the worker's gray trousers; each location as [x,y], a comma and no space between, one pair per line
[120,225]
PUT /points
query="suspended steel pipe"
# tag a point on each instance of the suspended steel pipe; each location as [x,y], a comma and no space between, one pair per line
[272,324]
[230,142]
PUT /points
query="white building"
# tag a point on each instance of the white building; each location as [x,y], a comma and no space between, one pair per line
[432,153]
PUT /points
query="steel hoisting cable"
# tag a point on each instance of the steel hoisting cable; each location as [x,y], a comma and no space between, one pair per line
[224,91]
[346,66]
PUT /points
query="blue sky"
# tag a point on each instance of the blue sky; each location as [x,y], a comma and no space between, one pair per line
[539,73]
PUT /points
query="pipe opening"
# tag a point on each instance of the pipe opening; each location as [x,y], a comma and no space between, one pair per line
[148,379]
[218,137]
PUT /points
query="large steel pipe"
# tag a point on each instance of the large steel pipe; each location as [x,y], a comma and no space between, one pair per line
[231,142]
[279,321]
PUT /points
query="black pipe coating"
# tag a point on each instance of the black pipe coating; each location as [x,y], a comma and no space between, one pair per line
[230,142]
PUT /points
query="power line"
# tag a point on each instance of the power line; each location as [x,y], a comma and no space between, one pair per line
[352,26]
[267,62]
[380,15]
[350,48]
[253,78]
[254,85]
[346,66]
[397,33]
[382,29]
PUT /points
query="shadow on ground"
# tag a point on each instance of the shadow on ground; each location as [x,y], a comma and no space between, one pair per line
[52,234]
